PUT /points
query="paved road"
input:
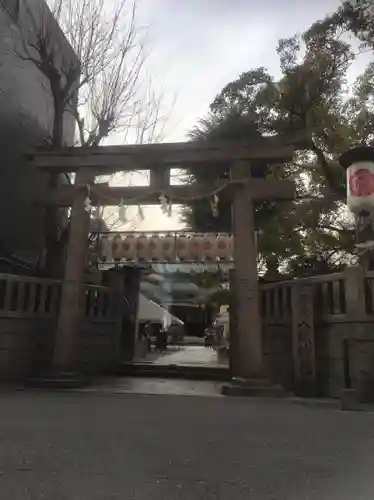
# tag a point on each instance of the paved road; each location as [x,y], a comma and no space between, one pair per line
[189,355]
[150,385]
[84,446]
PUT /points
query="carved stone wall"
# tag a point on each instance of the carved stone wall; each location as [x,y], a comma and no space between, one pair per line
[303,339]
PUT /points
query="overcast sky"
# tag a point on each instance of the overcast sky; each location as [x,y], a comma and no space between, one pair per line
[198,46]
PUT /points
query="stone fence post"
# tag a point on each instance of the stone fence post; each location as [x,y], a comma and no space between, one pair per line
[124,284]
[355,305]
[303,339]
[131,276]
[116,285]
[354,281]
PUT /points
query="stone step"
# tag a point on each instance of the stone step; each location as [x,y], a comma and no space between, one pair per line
[253,388]
[173,371]
[52,380]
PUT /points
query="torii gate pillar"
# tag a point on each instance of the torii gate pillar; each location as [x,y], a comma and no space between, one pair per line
[249,376]
[71,307]
[248,352]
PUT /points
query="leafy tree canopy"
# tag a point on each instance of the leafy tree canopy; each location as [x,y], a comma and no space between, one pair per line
[312,94]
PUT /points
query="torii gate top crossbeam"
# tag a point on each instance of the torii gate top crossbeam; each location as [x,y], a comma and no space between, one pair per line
[107,159]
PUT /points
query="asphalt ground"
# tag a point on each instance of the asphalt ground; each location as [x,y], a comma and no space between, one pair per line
[103,446]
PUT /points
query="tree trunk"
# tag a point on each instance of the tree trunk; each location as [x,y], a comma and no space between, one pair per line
[54,247]
[58,120]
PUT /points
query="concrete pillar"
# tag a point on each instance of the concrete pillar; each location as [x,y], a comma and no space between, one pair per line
[248,351]
[71,302]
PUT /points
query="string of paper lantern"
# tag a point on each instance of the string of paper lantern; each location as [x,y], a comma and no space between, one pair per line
[181,247]
[198,247]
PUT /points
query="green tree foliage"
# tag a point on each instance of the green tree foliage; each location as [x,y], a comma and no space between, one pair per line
[357,17]
[313,95]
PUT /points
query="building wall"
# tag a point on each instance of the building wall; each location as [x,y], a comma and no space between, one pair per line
[26,119]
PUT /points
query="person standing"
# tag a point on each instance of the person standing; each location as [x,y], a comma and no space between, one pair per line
[147,333]
[158,337]
[164,339]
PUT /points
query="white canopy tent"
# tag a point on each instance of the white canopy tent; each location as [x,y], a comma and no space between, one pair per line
[150,311]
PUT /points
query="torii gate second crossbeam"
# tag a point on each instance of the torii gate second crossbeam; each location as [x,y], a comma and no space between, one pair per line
[159,159]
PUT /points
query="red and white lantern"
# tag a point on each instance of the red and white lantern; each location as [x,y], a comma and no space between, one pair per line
[223,246]
[117,248]
[195,248]
[168,247]
[129,248]
[182,249]
[210,247]
[105,249]
[142,247]
[360,187]
[359,164]
[155,248]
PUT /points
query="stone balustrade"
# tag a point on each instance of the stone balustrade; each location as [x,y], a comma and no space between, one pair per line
[318,333]
[28,315]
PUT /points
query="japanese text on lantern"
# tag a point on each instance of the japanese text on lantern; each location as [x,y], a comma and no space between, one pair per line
[361,182]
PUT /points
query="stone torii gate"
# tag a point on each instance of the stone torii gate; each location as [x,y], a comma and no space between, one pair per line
[242,189]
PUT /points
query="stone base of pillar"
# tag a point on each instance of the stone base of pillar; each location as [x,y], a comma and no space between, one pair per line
[58,380]
[255,387]
[349,400]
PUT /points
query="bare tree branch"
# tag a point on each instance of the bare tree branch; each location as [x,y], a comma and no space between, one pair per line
[102,81]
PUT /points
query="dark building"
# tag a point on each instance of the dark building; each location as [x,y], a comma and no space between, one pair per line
[26,120]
